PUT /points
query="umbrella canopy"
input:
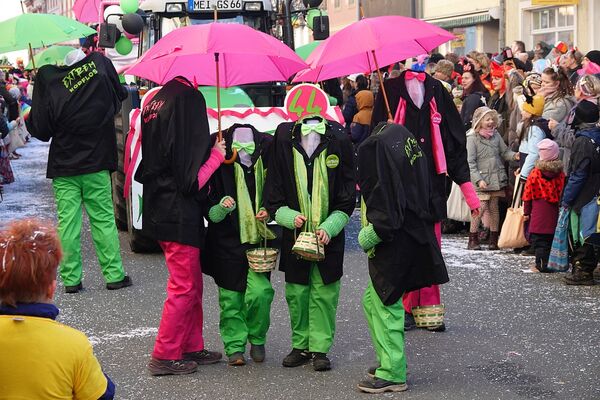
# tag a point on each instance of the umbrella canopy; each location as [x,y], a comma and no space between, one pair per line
[245,55]
[39,30]
[87,10]
[54,55]
[307,49]
[369,43]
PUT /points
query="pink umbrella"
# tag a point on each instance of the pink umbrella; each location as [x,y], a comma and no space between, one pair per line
[369,43]
[220,55]
[244,55]
[87,10]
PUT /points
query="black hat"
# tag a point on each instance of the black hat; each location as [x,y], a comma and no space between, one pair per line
[435,57]
[586,112]
[593,56]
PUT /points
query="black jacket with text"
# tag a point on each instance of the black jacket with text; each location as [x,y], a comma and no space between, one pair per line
[175,144]
[395,184]
[75,107]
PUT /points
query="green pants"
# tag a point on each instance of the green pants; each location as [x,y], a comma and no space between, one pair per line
[386,325]
[95,193]
[245,317]
[313,309]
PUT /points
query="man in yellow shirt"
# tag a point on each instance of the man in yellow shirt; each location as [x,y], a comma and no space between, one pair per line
[41,358]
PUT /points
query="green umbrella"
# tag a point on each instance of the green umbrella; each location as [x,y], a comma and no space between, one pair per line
[54,55]
[39,30]
[231,97]
[304,51]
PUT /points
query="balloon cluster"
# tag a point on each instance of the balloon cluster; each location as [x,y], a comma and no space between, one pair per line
[128,19]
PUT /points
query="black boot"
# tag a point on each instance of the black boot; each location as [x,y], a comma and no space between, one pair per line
[493,241]
[473,242]
[579,276]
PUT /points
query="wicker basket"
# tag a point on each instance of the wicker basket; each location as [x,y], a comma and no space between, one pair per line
[429,316]
[308,247]
[263,259]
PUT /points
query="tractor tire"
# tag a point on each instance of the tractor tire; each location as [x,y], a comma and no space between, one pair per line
[118,177]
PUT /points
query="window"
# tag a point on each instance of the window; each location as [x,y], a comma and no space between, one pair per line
[337,3]
[554,24]
[351,3]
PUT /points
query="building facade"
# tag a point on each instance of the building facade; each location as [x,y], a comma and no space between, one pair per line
[475,28]
[60,7]
[550,21]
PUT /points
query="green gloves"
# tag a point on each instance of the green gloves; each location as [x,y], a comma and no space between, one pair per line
[334,224]
[368,239]
[285,217]
[218,212]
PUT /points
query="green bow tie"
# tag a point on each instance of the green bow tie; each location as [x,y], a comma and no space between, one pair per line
[247,147]
[319,128]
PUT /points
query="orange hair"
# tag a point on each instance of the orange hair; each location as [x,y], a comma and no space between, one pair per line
[29,255]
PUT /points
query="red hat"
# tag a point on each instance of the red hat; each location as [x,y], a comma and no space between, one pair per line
[497,70]
[562,47]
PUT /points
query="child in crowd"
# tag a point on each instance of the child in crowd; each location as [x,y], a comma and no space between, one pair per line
[532,131]
[486,152]
[541,199]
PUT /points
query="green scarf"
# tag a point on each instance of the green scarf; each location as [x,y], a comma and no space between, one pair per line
[250,230]
[316,207]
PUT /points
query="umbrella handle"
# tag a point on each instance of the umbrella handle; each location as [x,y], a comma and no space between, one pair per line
[232,159]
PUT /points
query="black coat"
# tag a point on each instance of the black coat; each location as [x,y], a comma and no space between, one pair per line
[395,184]
[418,123]
[471,103]
[175,144]
[75,107]
[280,190]
[225,259]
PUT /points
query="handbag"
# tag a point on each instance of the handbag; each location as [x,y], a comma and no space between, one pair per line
[456,206]
[15,140]
[512,234]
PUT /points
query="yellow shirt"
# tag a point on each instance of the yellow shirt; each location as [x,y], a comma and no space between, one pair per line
[43,359]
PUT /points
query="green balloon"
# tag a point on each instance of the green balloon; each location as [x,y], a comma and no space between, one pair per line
[129,6]
[123,46]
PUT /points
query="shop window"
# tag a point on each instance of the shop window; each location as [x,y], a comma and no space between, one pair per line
[553,24]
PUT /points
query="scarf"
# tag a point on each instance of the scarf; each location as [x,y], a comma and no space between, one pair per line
[538,187]
[314,206]
[437,146]
[486,132]
[251,231]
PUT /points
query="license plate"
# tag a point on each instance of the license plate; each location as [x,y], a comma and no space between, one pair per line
[209,5]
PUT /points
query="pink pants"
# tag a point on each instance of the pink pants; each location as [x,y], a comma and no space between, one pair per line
[428,296]
[180,328]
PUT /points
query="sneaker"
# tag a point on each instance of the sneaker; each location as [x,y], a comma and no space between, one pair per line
[321,362]
[257,352]
[371,371]
[439,328]
[74,289]
[296,358]
[379,385]
[409,322]
[171,367]
[125,282]
[203,357]
[237,359]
